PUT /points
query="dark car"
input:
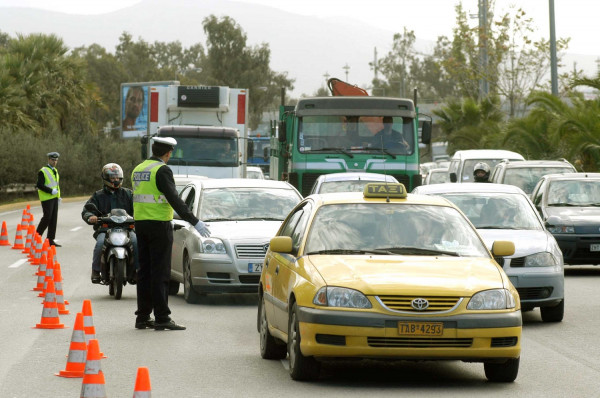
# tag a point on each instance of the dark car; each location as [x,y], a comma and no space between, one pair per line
[525,174]
[570,206]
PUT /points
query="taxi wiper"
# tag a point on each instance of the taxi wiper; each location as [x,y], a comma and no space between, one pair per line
[561,204]
[338,150]
[370,148]
[417,250]
[220,219]
[349,251]
[260,218]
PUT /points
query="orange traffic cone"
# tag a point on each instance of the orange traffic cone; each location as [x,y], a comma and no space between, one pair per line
[93,377]
[34,247]
[41,274]
[142,383]
[88,323]
[49,276]
[25,220]
[19,238]
[60,299]
[77,351]
[50,318]
[28,239]
[4,235]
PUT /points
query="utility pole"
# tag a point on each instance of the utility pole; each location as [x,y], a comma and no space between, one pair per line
[553,62]
[375,65]
[483,55]
[347,69]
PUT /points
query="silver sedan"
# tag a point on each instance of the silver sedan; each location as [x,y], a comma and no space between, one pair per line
[242,215]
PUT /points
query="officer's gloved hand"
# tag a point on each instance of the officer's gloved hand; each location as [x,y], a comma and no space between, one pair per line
[202,229]
[54,191]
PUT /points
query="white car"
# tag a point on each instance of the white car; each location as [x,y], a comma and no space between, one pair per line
[181,180]
[505,212]
[242,215]
[348,182]
[254,172]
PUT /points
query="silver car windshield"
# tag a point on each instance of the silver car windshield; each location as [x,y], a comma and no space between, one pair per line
[574,193]
[238,204]
[497,210]
[527,178]
[392,229]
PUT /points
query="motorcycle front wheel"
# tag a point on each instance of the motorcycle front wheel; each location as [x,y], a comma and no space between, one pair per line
[117,266]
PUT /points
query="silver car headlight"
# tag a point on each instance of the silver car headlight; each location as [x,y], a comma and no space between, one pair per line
[496,299]
[213,246]
[341,297]
[544,259]
[561,229]
[118,238]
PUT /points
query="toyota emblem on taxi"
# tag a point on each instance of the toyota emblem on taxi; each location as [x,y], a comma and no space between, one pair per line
[420,304]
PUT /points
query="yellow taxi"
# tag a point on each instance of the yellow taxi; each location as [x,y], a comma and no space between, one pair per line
[390,275]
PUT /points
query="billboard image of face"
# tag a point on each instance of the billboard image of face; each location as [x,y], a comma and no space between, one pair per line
[135,117]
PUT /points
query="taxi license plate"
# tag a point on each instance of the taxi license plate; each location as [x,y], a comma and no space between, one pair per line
[254,267]
[595,247]
[420,328]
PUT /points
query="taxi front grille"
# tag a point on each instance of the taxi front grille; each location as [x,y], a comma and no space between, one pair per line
[504,341]
[404,303]
[251,251]
[418,342]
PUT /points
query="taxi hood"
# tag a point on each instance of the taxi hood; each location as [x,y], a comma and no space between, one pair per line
[409,275]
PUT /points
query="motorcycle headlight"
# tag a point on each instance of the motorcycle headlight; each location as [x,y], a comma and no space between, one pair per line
[118,238]
[341,297]
[496,299]
[544,259]
[561,229]
[213,246]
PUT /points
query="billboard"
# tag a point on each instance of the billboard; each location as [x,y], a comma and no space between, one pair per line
[135,107]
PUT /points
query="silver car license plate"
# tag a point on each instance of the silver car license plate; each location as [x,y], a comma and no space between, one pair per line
[257,267]
[595,247]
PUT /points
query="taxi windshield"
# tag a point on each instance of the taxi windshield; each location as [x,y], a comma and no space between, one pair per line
[497,210]
[388,228]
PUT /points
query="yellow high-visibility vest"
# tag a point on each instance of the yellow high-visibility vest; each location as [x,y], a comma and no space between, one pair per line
[148,202]
[51,182]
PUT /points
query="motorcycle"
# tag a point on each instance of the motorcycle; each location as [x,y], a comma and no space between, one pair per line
[116,261]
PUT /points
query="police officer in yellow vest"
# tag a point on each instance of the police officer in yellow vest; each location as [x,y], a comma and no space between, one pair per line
[154,198]
[49,193]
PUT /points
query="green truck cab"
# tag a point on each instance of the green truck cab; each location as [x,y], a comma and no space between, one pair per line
[325,135]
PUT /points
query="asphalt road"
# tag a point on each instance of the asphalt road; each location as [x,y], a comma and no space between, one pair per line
[218,354]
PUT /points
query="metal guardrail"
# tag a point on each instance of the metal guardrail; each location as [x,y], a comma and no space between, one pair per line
[18,188]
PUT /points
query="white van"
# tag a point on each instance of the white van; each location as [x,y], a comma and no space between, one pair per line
[463,162]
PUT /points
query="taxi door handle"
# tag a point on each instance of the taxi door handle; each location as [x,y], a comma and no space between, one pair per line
[277,270]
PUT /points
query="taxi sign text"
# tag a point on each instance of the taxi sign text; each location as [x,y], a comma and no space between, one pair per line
[384,190]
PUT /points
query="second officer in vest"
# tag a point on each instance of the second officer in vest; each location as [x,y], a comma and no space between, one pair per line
[49,193]
[154,198]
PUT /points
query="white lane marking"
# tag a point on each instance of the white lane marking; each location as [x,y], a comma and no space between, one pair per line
[17,263]
[286,364]
[76,229]
[9,212]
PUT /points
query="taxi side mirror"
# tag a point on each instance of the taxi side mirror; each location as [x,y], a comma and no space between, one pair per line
[453,177]
[281,244]
[502,248]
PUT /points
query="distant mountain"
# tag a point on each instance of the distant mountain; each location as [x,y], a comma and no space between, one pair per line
[304,46]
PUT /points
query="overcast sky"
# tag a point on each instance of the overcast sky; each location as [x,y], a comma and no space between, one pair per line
[578,19]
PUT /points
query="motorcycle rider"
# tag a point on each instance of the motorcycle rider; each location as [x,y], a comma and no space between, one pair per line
[481,172]
[111,196]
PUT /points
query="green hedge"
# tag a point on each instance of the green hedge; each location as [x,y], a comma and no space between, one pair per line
[80,164]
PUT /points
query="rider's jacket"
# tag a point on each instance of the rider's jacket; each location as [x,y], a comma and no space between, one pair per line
[106,200]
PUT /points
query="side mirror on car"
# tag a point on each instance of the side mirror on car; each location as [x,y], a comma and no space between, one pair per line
[501,248]
[552,220]
[281,244]
[453,177]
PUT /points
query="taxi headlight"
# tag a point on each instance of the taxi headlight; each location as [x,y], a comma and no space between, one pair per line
[341,297]
[496,299]
[561,229]
[544,259]
[213,246]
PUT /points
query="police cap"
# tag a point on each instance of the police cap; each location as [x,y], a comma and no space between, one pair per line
[167,141]
[53,155]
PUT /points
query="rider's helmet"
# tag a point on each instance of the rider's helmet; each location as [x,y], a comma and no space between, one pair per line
[481,172]
[109,172]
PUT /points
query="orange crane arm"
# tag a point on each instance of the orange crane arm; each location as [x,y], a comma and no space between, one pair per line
[341,88]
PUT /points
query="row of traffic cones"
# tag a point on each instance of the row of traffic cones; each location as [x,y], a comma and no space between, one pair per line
[83,360]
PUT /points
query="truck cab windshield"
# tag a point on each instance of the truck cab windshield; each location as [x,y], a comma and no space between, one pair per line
[191,151]
[332,134]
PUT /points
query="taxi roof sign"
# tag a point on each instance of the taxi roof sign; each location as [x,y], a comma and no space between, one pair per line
[384,190]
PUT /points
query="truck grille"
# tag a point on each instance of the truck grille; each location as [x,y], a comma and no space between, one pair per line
[251,251]
[417,342]
[403,303]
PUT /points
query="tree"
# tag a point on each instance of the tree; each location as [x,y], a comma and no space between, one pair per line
[230,62]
